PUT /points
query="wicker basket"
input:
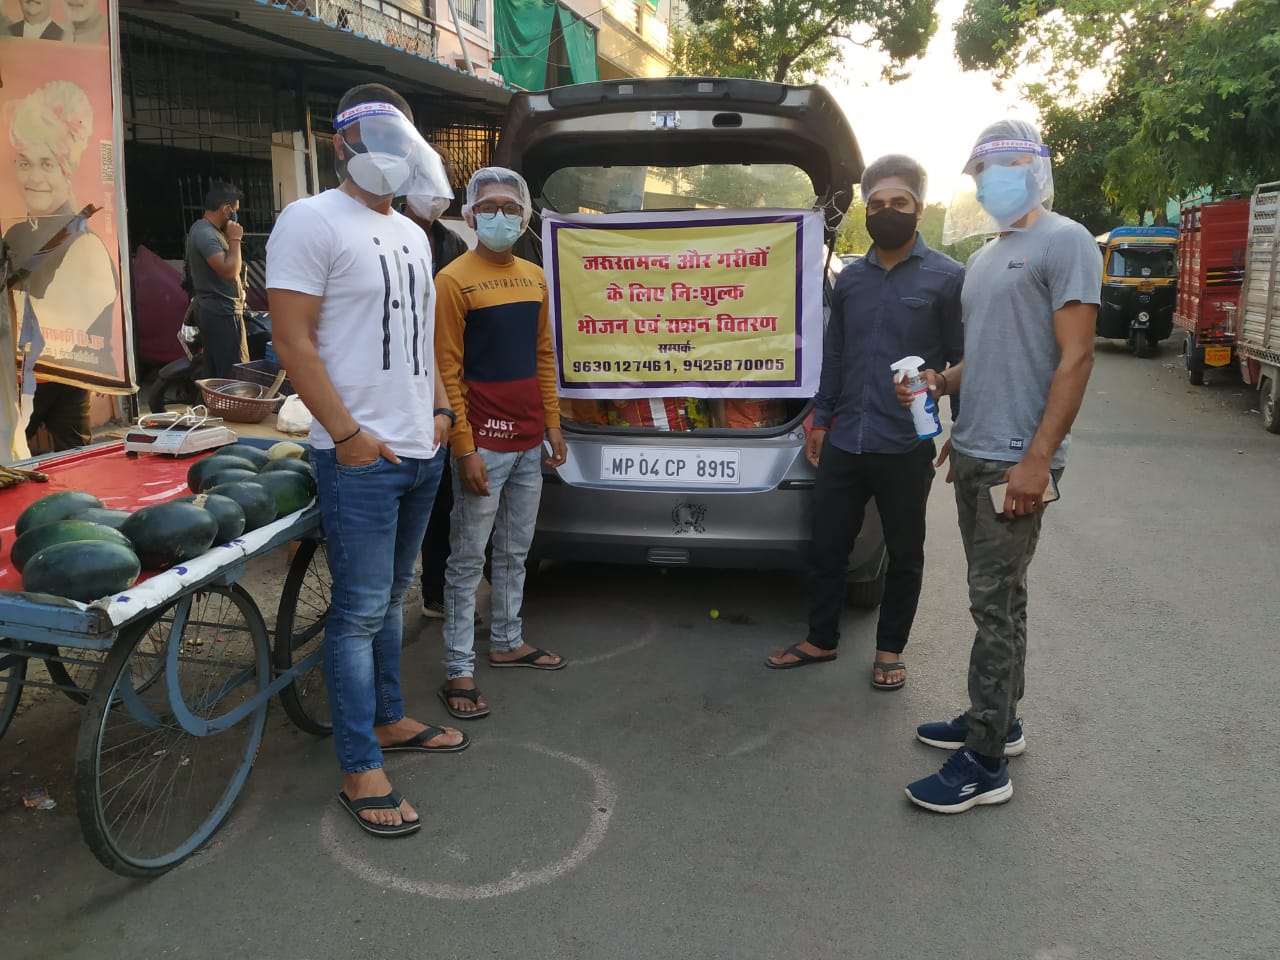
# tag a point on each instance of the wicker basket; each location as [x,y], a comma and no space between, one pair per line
[243,409]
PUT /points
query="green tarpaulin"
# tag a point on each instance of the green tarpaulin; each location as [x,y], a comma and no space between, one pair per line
[522,29]
[580,44]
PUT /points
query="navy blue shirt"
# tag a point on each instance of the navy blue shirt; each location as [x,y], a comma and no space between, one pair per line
[879,316]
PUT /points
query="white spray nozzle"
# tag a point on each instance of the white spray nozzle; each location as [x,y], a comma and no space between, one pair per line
[906,367]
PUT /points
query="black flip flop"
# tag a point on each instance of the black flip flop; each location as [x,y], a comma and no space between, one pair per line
[391,801]
[418,743]
[806,659]
[528,661]
[888,668]
[447,693]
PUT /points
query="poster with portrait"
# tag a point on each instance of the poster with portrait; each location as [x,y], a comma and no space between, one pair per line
[61,194]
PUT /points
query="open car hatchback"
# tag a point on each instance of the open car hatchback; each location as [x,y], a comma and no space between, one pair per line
[675,144]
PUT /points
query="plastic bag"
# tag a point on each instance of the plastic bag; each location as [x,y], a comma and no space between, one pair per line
[294,417]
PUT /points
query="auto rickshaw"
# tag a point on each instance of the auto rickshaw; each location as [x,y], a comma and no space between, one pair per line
[1139,286]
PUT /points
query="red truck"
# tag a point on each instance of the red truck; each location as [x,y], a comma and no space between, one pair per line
[1212,235]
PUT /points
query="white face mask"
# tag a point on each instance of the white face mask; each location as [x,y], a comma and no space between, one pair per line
[425,207]
[382,174]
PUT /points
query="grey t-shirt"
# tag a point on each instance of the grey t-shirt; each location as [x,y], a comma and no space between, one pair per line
[213,293]
[1012,286]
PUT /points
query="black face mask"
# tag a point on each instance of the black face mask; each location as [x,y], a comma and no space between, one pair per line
[891,228]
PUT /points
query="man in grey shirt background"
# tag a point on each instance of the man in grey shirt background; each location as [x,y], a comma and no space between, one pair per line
[215,264]
[1030,302]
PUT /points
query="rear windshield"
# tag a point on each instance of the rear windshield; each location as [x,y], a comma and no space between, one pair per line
[626,189]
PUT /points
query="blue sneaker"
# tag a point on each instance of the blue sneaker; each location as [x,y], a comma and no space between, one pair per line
[962,783]
[951,734]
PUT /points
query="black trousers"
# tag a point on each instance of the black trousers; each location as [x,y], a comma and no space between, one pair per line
[435,545]
[223,340]
[63,410]
[900,484]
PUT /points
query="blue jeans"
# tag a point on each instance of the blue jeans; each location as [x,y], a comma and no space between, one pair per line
[509,513]
[374,517]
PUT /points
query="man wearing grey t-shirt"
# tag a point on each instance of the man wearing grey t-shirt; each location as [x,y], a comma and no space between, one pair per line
[215,264]
[1029,302]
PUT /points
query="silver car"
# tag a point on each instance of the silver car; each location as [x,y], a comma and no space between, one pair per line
[678,144]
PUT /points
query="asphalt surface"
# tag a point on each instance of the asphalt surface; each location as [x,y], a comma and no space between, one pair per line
[668,797]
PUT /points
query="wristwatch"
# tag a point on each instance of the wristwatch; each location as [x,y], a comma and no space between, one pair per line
[446,412]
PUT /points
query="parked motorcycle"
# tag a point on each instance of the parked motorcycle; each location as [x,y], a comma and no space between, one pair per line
[176,381]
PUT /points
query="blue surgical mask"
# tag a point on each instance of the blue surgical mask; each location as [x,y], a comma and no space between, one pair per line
[1008,193]
[498,231]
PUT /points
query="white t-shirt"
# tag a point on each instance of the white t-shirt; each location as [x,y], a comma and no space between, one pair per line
[376,334]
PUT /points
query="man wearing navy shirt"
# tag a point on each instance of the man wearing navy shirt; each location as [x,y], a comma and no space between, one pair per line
[902,299]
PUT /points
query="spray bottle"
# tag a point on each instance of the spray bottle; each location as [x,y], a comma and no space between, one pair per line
[923,408]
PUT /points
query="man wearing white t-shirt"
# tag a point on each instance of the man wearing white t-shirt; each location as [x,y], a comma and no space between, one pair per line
[353,307]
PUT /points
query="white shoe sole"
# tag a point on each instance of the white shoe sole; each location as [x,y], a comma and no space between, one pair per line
[999,795]
[1015,749]
[432,614]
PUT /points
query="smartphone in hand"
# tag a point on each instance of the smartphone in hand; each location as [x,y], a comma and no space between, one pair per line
[1000,489]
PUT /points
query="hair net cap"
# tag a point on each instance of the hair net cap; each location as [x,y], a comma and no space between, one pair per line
[503,177]
[1006,139]
[906,173]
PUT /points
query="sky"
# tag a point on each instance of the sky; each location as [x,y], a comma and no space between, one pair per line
[934,116]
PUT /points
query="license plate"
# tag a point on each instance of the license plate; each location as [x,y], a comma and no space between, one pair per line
[1217,356]
[692,465]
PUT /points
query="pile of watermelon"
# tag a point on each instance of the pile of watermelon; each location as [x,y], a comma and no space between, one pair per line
[69,545]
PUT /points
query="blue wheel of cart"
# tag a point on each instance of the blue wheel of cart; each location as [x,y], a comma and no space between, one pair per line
[13,671]
[304,604]
[159,764]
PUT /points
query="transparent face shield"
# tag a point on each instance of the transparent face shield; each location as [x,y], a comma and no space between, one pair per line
[388,157]
[1003,181]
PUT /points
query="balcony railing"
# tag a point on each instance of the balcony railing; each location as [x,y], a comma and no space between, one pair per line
[380,20]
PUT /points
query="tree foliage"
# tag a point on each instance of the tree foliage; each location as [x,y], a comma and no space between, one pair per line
[1190,93]
[795,40]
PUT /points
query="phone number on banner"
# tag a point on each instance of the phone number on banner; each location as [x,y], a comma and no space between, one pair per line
[680,366]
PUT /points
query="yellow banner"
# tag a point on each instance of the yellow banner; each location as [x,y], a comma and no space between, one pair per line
[697,304]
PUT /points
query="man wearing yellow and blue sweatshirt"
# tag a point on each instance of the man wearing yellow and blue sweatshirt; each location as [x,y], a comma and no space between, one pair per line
[493,345]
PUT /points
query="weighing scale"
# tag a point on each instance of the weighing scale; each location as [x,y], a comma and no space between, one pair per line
[177,434]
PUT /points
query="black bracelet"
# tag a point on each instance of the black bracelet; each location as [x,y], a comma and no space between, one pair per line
[946,384]
[349,436]
[446,412]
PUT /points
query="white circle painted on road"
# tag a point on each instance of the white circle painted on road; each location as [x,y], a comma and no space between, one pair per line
[601,809]
[647,637]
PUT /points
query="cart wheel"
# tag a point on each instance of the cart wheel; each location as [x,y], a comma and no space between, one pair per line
[304,604]
[75,680]
[79,676]
[148,792]
[13,670]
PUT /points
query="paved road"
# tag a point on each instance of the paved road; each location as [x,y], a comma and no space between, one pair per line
[667,797]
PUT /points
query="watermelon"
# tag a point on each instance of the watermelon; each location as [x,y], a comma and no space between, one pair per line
[215,478]
[297,466]
[62,531]
[244,451]
[256,501]
[202,468]
[292,491]
[81,570]
[167,533]
[228,513]
[108,518]
[56,506]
